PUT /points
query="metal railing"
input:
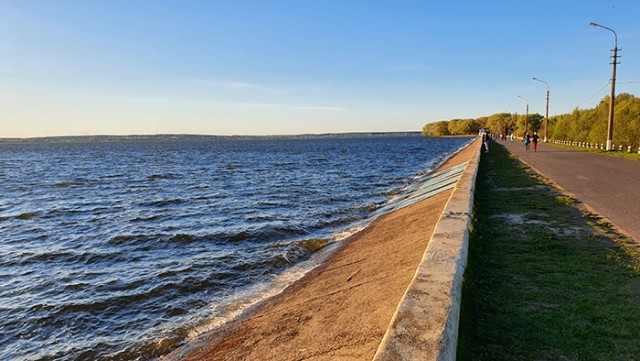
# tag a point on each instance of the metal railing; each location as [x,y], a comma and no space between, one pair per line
[600,146]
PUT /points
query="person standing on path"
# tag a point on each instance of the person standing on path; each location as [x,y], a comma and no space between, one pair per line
[485,141]
[534,140]
[527,141]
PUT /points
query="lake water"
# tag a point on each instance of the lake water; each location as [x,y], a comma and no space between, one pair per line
[125,250]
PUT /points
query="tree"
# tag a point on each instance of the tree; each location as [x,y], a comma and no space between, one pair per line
[436,129]
[626,120]
[462,126]
[535,122]
[582,125]
[501,123]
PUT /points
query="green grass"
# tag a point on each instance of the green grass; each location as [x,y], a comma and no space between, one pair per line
[620,154]
[546,280]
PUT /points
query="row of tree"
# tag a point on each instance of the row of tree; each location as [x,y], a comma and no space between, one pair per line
[582,125]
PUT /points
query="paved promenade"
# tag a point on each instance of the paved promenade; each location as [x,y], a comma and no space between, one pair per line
[609,185]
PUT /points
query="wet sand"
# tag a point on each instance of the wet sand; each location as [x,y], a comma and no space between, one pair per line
[341,309]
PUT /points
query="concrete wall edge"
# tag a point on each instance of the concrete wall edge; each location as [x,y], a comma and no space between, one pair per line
[425,325]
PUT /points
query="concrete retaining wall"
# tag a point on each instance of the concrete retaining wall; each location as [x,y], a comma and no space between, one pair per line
[425,324]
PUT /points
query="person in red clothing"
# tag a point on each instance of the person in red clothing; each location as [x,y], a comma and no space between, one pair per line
[534,140]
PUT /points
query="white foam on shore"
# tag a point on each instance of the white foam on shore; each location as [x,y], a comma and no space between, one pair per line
[237,304]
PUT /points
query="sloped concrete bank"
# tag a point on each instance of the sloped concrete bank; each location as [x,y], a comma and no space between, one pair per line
[341,309]
[425,324]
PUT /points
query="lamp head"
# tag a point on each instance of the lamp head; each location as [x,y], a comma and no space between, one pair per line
[593,24]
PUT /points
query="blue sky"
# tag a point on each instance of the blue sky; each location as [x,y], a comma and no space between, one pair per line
[292,67]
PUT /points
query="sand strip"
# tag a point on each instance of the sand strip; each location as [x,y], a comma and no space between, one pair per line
[341,309]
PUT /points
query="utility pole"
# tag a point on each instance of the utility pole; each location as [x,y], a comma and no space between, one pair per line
[612,101]
[546,118]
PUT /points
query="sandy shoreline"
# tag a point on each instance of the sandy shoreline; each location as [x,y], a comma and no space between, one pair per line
[342,308]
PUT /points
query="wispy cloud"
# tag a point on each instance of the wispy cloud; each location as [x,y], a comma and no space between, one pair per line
[211,83]
[253,87]
[239,85]
[258,105]
[322,108]
[287,106]
[408,67]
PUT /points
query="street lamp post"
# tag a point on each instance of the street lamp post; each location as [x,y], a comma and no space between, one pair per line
[526,119]
[546,117]
[613,84]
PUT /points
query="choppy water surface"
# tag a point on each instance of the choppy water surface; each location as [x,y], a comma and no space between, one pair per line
[123,250]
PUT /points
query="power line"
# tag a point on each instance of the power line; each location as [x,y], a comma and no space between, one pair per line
[598,92]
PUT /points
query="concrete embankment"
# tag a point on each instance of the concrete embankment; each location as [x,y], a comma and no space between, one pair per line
[425,324]
[345,307]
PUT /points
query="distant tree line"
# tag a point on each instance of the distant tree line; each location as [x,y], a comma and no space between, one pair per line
[581,125]
[497,123]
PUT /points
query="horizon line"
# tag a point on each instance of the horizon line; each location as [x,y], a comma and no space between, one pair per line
[169,135]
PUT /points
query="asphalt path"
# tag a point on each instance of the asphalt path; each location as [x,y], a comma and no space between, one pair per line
[610,186]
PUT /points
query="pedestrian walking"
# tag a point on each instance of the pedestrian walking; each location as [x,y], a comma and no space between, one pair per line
[485,141]
[534,140]
[527,142]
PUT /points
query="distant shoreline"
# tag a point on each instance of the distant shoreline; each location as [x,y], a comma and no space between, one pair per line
[457,136]
[192,137]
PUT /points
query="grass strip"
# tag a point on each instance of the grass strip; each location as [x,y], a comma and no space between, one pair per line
[546,280]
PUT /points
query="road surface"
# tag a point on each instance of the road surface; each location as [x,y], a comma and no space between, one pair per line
[608,185]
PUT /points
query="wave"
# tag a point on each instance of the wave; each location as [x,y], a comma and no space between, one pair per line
[67,184]
[81,209]
[305,254]
[269,258]
[303,248]
[257,235]
[163,176]
[69,258]
[243,300]
[27,215]
[134,239]
[162,202]
[261,235]
[111,176]
[146,219]
[188,280]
